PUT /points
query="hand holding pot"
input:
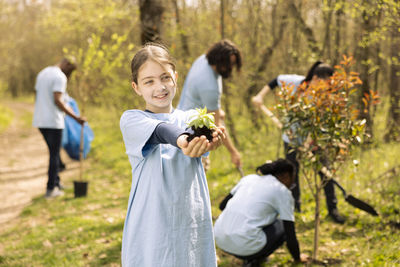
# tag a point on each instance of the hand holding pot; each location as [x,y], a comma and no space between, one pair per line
[200,145]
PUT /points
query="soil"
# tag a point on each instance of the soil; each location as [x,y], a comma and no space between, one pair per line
[24,164]
[201,131]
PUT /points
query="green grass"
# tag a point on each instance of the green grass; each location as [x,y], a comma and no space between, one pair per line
[88,231]
[6,116]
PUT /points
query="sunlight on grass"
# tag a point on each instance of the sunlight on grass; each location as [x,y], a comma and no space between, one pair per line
[88,231]
[6,116]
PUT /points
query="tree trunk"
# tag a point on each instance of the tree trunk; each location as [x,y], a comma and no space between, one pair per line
[181,32]
[378,62]
[364,55]
[255,79]
[13,86]
[326,48]
[273,20]
[307,31]
[265,58]
[318,187]
[338,56]
[316,219]
[151,16]
[228,120]
[393,122]
[254,8]
[222,19]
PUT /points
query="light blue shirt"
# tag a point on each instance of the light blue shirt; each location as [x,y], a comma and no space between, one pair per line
[257,202]
[290,79]
[202,87]
[168,222]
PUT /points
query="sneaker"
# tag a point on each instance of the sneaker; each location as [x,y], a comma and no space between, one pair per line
[336,216]
[61,186]
[53,193]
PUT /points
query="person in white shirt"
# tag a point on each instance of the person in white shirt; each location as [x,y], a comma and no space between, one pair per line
[51,84]
[258,215]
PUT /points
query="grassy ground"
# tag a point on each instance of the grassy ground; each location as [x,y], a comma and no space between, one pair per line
[6,116]
[88,231]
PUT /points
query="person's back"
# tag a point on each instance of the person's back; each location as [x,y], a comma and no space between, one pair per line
[47,115]
[202,87]
[258,215]
[257,201]
[289,79]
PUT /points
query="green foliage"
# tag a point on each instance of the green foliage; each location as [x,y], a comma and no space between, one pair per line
[320,118]
[103,74]
[321,122]
[6,117]
[88,231]
[201,119]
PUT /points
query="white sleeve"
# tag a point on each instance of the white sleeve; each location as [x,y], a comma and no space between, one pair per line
[136,130]
[286,206]
[59,84]
[290,79]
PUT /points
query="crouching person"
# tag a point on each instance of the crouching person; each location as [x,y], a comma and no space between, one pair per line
[258,215]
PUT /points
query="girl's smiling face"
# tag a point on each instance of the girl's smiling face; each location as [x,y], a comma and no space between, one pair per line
[157,85]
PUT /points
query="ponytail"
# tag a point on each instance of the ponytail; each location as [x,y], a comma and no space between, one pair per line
[319,69]
[310,72]
[277,167]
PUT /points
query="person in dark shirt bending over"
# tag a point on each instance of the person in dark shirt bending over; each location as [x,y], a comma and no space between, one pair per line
[318,71]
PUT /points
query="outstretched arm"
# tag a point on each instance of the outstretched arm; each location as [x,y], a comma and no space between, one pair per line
[235,155]
[292,243]
[258,99]
[200,145]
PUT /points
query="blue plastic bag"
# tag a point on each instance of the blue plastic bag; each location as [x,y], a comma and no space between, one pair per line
[71,137]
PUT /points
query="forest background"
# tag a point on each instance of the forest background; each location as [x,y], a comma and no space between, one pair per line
[275,37]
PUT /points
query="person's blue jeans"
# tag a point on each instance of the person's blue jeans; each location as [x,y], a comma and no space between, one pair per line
[53,138]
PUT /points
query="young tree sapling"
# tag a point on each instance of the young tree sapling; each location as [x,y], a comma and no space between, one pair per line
[202,123]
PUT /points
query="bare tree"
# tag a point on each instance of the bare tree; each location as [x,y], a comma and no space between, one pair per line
[151,13]
[222,18]
[304,28]
[266,56]
[363,56]
[181,32]
[327,14]
[393,122]
[339,22]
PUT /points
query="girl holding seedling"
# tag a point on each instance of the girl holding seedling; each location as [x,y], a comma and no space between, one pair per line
[168,221]
[249,227]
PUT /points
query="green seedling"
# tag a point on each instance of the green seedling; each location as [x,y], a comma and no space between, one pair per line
[202,123]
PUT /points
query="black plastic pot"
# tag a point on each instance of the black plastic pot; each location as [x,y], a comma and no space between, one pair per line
[80,188]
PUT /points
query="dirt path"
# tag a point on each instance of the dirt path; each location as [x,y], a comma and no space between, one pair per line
[23,164]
